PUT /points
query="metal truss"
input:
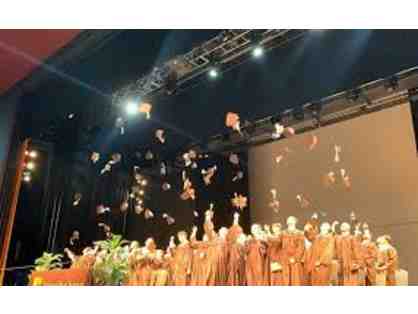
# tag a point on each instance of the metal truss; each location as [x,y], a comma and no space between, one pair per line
[367,98]
[221,51]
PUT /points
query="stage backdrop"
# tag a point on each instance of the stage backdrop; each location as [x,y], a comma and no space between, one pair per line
[378,152]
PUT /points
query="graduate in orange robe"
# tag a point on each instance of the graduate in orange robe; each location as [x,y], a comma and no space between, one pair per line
[144,267]
[310,230]
[236,262]
[160,272]
[293,248]
[182,260]
[223,255]
[200,260]
[133,257]
[369,255]
[215,250]
[234,231]
[348,254]
[169,265]
[319,265]
[256,258]
[274,256]
[200,263]
[212,262]
[208,226]
[387,260]
[236,256]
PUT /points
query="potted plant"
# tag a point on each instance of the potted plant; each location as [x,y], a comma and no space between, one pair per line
[111,266]
[48,261]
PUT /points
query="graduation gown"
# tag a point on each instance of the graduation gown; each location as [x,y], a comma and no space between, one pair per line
[200,264]
[182,264]
[274,261]
[349,260]
[293,248]
[369,255]
[319,265]
[388,259]
[255,266]
[236,265]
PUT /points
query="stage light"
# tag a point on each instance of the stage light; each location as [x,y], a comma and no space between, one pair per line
[33,154]
[144,182]
[30,165]
[141,192]
[213,73]
[131,108]
[258,52]
[27,178]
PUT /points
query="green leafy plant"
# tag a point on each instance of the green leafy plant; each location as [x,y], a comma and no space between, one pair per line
[113,244]
[111,266]
[48,261]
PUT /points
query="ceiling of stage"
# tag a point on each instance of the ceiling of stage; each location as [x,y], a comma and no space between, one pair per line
[22,50]
[320,64]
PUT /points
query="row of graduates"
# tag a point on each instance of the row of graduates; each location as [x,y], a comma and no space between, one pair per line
[318,255]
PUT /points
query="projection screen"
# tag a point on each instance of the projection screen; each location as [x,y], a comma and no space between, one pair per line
[378,155]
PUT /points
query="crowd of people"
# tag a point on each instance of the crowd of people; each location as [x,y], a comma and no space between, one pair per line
[321,254]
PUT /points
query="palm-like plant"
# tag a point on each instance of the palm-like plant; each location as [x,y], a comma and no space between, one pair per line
[113,244]
[48,261]
[112,267]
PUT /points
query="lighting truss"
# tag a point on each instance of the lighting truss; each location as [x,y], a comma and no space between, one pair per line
[223,51]
[372,97]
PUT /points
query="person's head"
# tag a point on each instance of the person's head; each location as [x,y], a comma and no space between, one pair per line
[256,230]
[209,214]
[87,251]
[384,240]
[325,228]
[367,236]
[134,245]
[276,228]
[182,236]
[241,239]
[159,254]
[291,221]
[150,244]
[223,232]
[76,234]
[236,217]
[345,227]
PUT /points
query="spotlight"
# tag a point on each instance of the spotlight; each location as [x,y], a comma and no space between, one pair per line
[33,154]
[258,52]
[30,165]
[131,108]
[144,182]
[27,178]
[213,73]
[141,192]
